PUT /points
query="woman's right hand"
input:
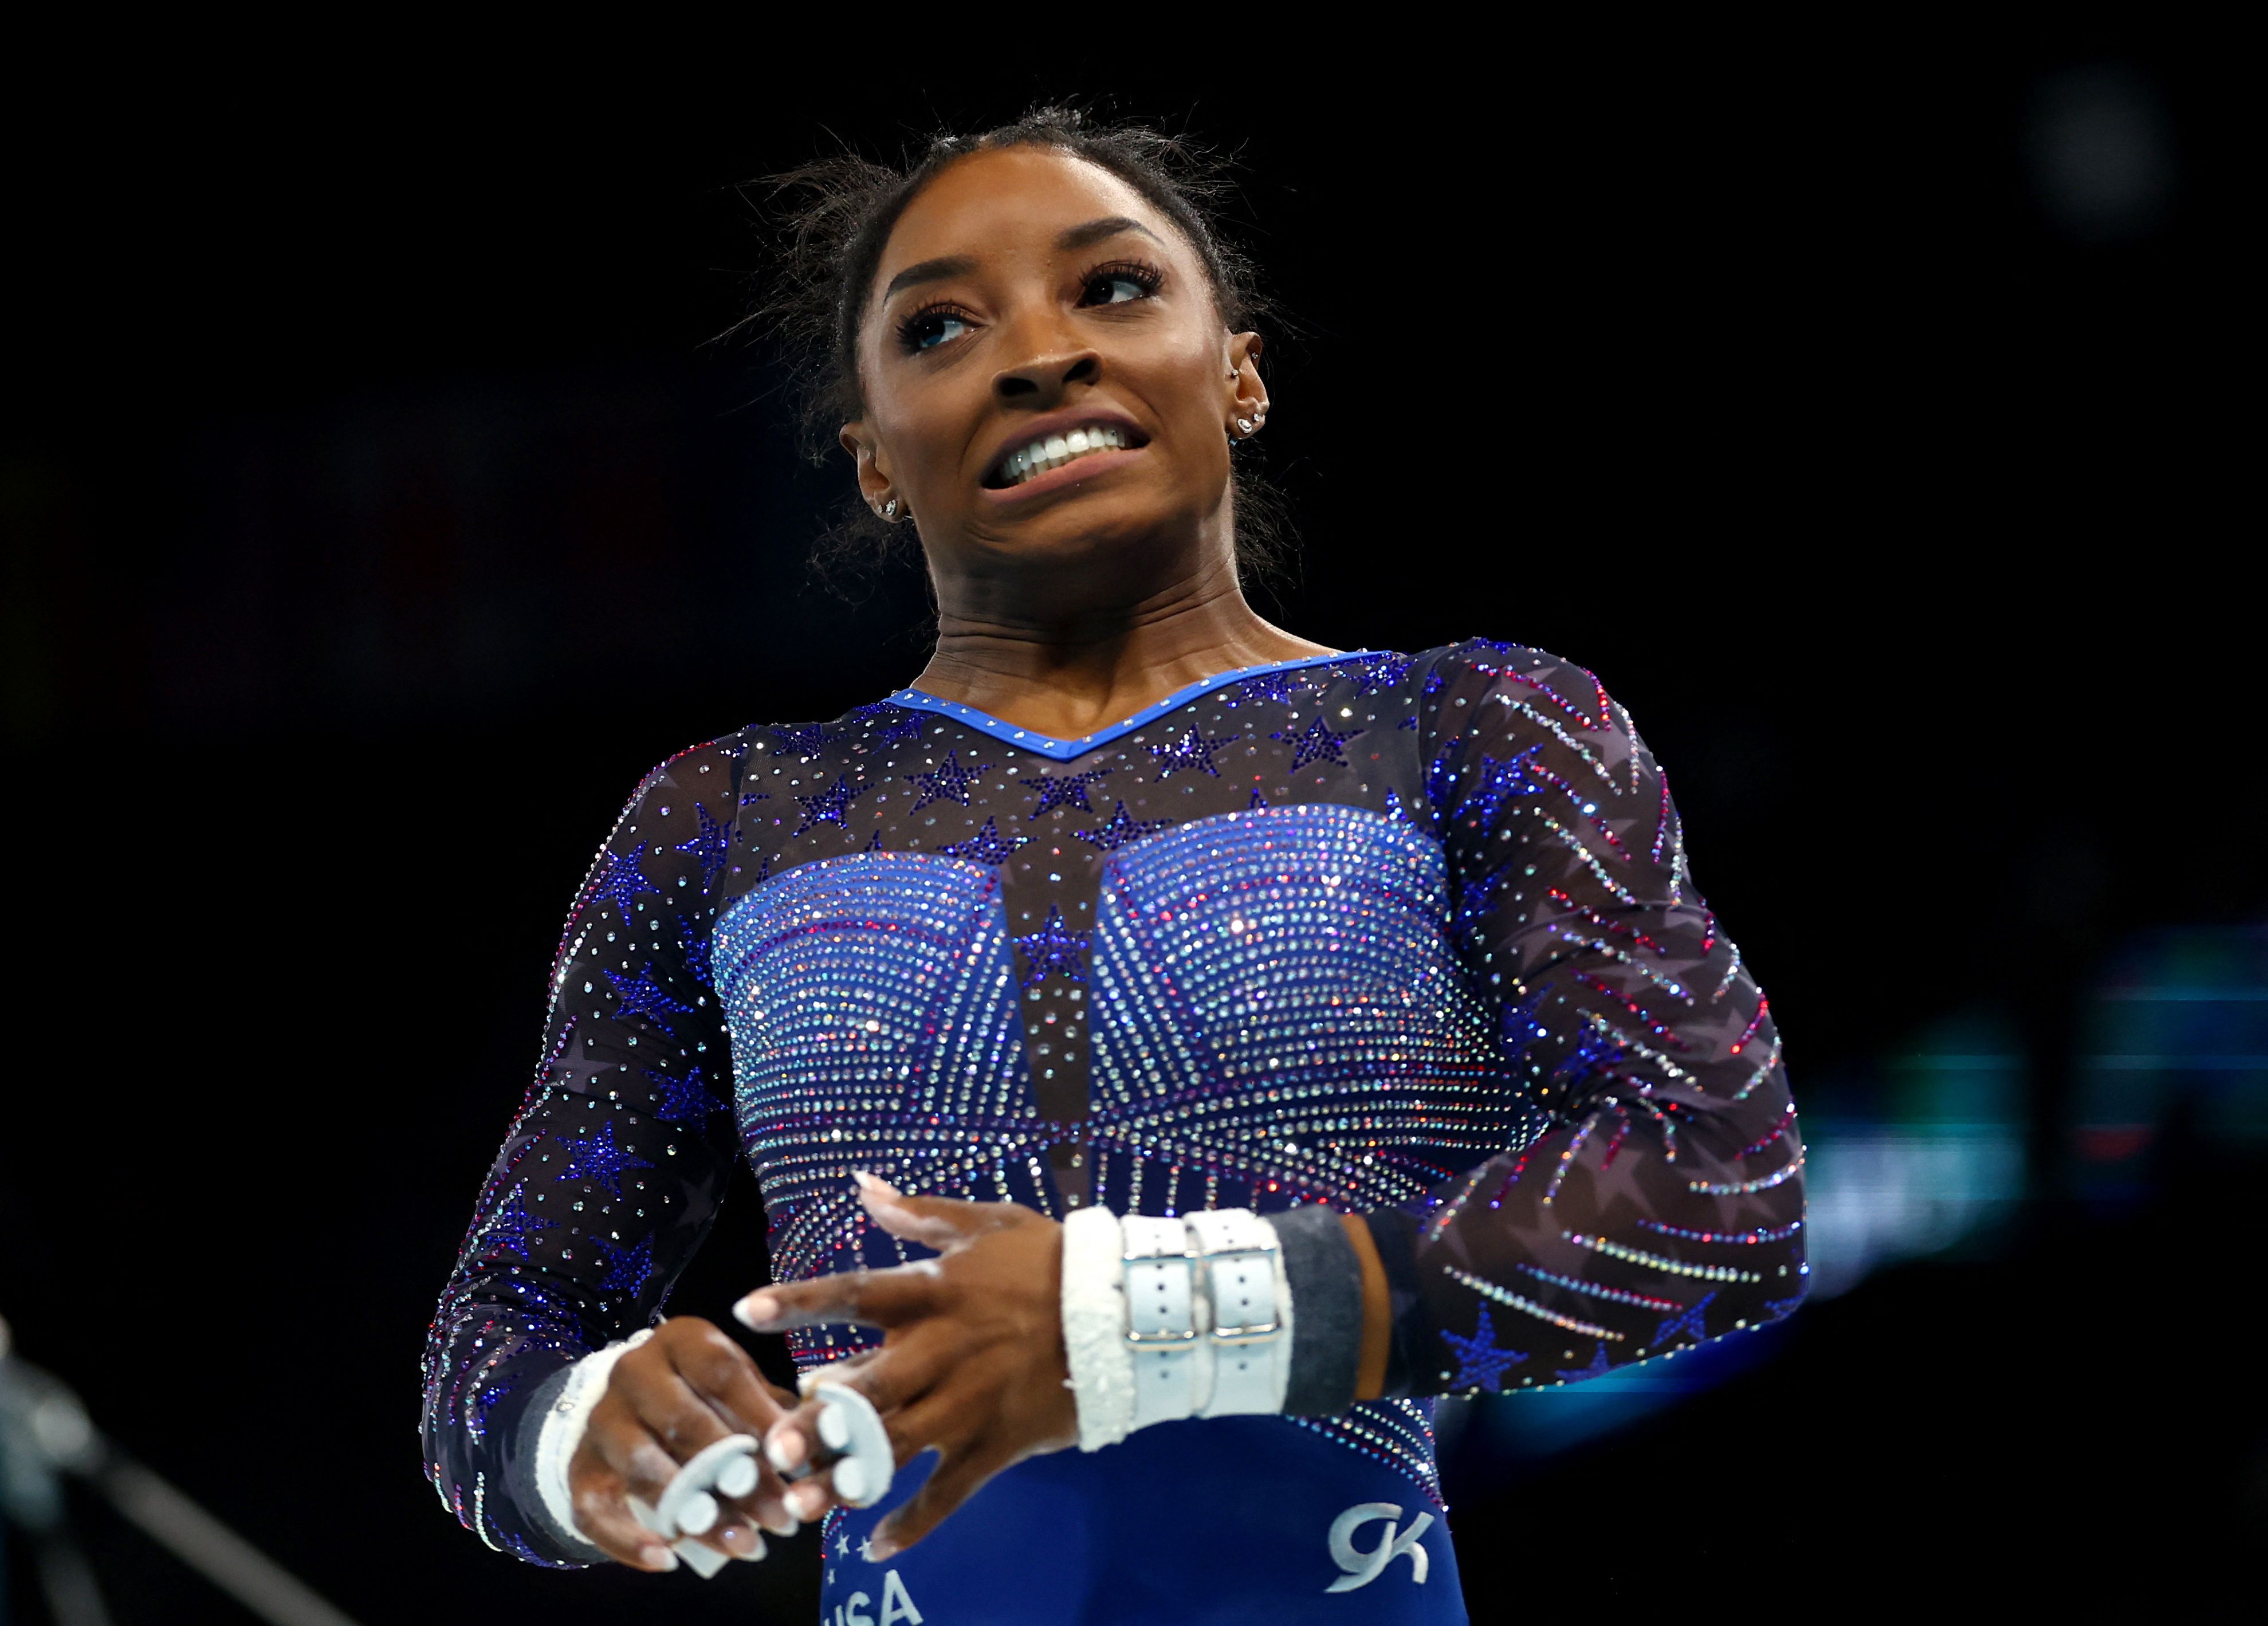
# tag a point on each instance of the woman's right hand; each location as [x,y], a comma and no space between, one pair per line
[686,1387]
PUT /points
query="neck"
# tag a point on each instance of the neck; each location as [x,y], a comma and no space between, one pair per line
[1071,671]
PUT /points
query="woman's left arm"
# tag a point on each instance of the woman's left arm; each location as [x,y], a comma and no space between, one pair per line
[1663,1205]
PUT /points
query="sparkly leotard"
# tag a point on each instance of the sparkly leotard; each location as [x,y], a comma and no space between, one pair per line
[1411,935]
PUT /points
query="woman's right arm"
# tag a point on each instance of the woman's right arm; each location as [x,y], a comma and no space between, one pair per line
[607,1182]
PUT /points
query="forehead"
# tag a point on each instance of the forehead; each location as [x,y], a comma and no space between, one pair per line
[1012,202]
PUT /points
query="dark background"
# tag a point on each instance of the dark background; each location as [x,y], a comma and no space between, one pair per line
[1864,409]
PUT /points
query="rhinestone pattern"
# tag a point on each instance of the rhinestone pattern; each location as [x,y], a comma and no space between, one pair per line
[1411,935]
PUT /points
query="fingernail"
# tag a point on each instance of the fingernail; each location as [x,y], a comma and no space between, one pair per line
[756,1554]
[879,1547]
[787,1449]
[756,1309]
[656,1558]
[779,1523]
[805,1500]
[876,1189]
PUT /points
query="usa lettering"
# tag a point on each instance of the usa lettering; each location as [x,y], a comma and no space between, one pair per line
[897,1606]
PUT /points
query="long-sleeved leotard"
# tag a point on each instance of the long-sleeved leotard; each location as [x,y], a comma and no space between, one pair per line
[1411,936]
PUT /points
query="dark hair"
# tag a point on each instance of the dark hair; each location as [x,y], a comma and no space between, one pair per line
[835,215]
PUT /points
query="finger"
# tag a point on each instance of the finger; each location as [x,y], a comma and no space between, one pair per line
[926,1425]
[890,1379]
[604,1518]
[720,1373]
[864,1297]
[941,1223]
[723,1375]
[638,1462]
[665,1405]
[960,1476]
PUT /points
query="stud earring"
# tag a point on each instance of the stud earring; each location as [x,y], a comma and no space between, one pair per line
[890,512]
[1246,426]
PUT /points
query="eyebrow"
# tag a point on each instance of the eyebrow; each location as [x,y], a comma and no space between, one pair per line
[1095,231]
[960,265]
[928,271]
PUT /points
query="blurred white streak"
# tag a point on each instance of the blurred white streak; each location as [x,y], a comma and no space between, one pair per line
[1878,1195]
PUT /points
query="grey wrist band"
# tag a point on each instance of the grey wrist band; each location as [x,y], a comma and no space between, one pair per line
[1326,1281]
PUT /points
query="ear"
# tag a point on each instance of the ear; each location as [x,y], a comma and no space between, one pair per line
[875,486]
[1247,396]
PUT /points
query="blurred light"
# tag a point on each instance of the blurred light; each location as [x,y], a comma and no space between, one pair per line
[1937,1164]
[1877,1197]
[2178,1028]
[2100,149]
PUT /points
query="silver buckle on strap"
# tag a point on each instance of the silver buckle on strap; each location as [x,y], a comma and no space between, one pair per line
[1188,1261]
[1253,1332]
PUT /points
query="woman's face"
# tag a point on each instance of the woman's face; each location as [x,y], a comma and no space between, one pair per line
[1047,379]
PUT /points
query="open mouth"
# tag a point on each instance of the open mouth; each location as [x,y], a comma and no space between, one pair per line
[1039,456]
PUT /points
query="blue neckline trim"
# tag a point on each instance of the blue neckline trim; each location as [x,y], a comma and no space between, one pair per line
[1066,750]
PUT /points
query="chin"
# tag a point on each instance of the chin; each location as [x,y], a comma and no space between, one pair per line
[1096,525]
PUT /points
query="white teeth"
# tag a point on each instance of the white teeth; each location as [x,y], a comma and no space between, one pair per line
[1029,462]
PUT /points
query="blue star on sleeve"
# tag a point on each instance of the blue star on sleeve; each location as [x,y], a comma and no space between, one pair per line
[695,944]
[1503,782]
[642,996]
[1692,1319]
[1054,947]
[620,880]
[1316,743]
[1596,1369]
[511,1225]
[1193,749]
[987,846]
[681,1099]
[628,1269]
[598,1158]
[1481,1360]
[1121,827]
[948,783]
[709,846]
[830,806]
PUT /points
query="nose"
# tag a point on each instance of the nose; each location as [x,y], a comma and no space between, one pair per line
[1042,382]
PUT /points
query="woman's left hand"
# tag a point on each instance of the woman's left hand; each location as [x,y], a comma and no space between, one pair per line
[972,1359]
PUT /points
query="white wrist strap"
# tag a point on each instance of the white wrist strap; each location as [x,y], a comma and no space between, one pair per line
[556,1443]
[1251,1303]
[1094,1326]
[1169,1318]
[1165,1320]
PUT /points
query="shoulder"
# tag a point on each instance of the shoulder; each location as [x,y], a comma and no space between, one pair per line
[1520,676]
[702,771]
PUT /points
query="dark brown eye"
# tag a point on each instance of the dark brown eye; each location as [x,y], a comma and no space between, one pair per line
[1120,284]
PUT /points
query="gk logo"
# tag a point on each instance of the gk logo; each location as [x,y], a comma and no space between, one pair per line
[1362,1567]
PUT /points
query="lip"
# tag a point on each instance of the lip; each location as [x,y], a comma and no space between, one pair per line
[1078,470]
